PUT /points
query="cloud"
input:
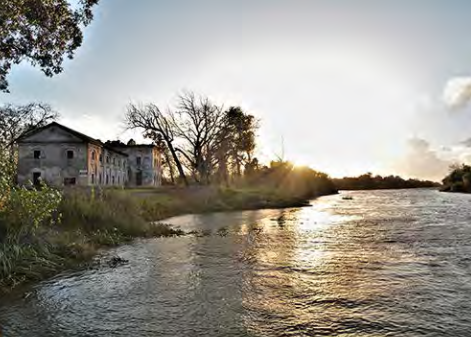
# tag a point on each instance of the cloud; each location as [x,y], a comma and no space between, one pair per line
[446,149]
[457,92]
[466,143]
[94,126]
[421,161]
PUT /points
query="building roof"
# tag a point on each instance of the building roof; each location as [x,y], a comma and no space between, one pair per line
[77,134]
[121,145]
[136,145]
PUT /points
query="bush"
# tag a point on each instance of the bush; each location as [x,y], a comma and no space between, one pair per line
[23,210]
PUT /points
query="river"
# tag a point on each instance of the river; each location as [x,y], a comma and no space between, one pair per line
[385,263]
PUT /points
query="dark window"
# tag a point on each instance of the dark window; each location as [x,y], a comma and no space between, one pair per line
[138,161]
[70,154]
[139,178]
[69,181]
[112,180]
[93,179]
[101,158]
[99,179]
[106,180]
[36,178]
[114,161]
[37,154]
[107,159]
[93,155]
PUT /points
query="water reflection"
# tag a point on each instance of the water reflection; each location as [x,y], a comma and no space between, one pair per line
[394,263]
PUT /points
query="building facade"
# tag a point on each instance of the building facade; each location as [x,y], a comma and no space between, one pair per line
[144,164]
[60,156]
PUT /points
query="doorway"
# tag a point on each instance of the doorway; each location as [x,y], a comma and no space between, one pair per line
[139,178]
[37,179]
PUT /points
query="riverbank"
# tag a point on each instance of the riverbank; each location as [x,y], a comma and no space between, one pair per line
[94,219]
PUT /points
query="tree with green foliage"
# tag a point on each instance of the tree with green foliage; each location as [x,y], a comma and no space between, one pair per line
[241,128]
[458,180]
[236,143]
[40,32]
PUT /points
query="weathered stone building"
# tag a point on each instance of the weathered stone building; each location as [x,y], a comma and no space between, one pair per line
[144,163]
[61,156]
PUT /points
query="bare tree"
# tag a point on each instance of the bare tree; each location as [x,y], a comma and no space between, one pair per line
[157,126]
[17,120]
[199,122]
[199,135]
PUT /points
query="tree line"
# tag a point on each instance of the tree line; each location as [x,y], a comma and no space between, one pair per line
[369,182]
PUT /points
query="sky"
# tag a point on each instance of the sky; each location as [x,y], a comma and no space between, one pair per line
[344,86]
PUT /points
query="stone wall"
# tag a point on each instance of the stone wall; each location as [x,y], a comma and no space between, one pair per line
[53,163]
[145,171]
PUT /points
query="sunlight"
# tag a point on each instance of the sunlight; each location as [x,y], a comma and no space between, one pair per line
[301,162]
[348,99]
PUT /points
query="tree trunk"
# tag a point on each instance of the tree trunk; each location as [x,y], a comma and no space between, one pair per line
[170,166]
[177,162]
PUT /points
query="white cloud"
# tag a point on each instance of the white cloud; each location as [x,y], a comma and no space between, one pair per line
[100,127]
[421,161]
[457,92]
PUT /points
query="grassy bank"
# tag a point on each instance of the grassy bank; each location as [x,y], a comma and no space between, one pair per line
[89,220]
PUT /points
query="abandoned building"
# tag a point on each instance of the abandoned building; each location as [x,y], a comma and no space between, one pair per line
[143,159]
[60,156]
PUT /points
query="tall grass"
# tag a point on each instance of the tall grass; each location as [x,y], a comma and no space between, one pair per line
[86,221]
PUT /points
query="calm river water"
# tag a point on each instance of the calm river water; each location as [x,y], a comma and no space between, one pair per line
[386,263]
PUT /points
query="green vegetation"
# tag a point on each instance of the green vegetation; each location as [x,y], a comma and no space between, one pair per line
[458,180]
[45,231]
[370,182]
